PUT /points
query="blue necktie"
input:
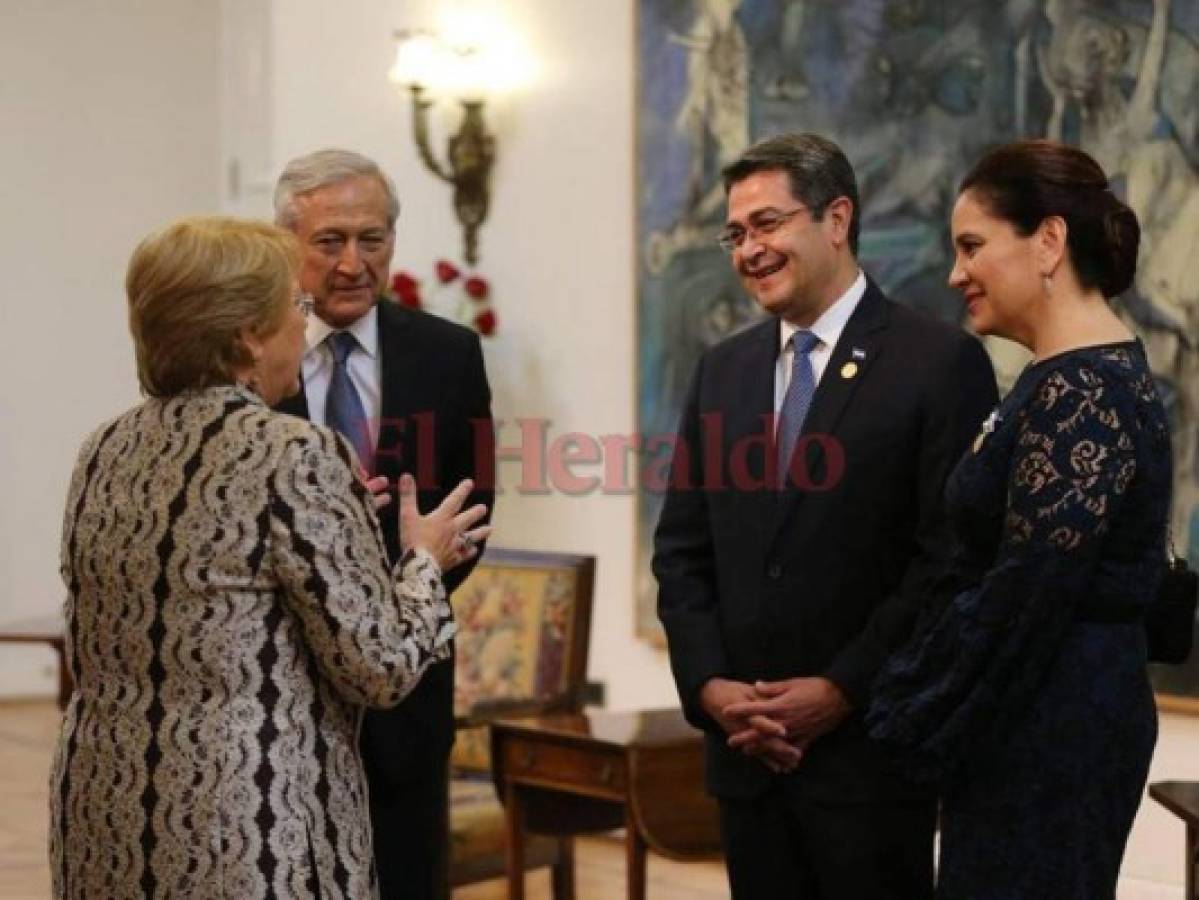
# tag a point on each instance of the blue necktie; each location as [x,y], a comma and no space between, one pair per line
[343,406]
[796,401]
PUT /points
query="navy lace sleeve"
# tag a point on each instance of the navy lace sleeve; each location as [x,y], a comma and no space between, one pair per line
[1070,461]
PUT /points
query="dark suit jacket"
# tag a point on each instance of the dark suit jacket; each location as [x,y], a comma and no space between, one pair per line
[824,580]
[436,424]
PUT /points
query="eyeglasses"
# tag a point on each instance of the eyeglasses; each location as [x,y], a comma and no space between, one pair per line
[764,223]
[305,303]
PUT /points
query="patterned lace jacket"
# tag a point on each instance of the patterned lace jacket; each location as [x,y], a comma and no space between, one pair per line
[230,610]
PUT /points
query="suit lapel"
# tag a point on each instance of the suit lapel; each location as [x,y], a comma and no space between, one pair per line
[755,387]
[754,419]
[849,366]
[296,404]
[398,376]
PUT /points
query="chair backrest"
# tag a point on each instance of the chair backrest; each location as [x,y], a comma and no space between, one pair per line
[524,627]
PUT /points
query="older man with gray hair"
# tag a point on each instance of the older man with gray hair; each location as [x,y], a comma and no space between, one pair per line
[410,392]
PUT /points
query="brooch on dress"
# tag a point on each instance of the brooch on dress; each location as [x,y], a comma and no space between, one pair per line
[991,423]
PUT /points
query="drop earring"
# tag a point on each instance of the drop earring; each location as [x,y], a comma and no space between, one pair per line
[1047,281]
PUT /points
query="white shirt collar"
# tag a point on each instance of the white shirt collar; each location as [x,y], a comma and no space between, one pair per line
[365,331]
[832,321]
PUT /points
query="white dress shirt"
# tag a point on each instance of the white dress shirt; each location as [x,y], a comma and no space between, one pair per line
[827,328]
[362,364]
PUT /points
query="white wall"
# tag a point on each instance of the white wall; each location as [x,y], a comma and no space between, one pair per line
[108,128]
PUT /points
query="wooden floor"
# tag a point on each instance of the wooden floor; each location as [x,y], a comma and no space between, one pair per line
[27,735]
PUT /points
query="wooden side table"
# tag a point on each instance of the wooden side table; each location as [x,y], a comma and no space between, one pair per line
[1182,799]
[43,630]
[573,774]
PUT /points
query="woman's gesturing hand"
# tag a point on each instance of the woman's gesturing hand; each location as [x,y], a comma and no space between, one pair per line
[446,532]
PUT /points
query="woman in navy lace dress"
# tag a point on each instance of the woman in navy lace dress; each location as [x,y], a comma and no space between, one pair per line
[1024,692]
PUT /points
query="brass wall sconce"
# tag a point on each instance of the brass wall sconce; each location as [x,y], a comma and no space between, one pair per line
[425,62]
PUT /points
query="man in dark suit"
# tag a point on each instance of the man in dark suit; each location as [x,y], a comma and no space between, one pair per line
[792,560]
[410,392]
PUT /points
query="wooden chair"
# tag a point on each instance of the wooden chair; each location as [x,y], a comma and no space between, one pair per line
[524,623]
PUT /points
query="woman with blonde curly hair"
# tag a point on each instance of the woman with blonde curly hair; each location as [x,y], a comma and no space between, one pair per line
[230,609]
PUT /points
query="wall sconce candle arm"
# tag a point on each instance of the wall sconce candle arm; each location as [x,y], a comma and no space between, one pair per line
[471,154]
[420,131]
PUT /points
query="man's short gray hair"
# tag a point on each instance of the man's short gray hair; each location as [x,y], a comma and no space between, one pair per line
[305,174]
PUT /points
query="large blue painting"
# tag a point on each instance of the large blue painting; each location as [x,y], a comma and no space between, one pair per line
[914,91]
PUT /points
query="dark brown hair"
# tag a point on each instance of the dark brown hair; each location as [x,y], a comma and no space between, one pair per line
[1027,182]
[817,170]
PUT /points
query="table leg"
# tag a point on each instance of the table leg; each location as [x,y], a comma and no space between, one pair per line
[562,875]
[514,851]
[634,855]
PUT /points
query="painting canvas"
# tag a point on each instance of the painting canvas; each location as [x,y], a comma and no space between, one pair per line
[914,91]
